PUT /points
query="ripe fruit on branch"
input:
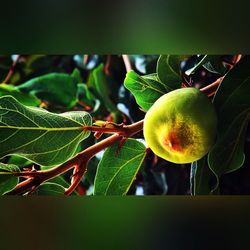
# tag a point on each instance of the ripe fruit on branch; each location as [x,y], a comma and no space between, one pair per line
[181,126]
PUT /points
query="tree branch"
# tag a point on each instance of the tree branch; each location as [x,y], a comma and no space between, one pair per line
[127,63]
[80,161]
[211,88]
[11,71]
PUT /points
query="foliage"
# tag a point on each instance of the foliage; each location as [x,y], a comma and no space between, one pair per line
[126,162]
[48,103]
[40,136]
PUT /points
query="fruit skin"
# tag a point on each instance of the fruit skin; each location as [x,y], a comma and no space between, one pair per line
[181,126]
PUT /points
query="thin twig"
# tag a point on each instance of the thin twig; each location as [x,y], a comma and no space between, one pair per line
[79,172]
[127,63]
[211,88]
[23,186]
[233,62]
[107,65]
[11,70]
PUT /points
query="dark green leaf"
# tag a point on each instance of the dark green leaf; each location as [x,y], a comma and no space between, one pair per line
[118,168]
[85,95]
[201,177]
[233,107]
[56,88]
[62,180]
[212,63]
[91,171]
[99,82]
[201,60]
[37,63]
[146,89]
[38,135]
[215,65]
[7,181]
[18,161]
[76,74]
[227,154]
[24,98]
[168,70]
[50,188]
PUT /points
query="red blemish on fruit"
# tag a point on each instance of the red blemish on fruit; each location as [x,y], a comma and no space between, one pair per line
[173,142]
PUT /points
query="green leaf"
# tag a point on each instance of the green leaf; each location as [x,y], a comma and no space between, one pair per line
[50,188]
[24,98]
[89,177]
[18,161]
[201,60]
[85,95]
[118,168]
[60,180]
[212,63]
[215,65]
[202,177]
[56,88]
[38,135]
[99,82]
[233,107]
[7,181]
[76,74]
[168,70]
[146,89]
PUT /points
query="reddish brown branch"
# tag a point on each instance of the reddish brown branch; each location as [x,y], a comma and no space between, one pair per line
[184,85]
[104,130]
[23,186]
[85,59]
[111,128]
[84,105]
[234,61]
[127,63]
[76,179]
[107,65]
[211,88]
[81,159]
[11,71]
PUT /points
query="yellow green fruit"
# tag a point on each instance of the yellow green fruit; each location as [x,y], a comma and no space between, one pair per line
[181,126]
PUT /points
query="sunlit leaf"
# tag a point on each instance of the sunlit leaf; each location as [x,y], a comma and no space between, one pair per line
[50,188]
[24,98]
[146,89]
[55,88]
[168,70]
[117,168]
[99,83]
[38,135]
[7,181]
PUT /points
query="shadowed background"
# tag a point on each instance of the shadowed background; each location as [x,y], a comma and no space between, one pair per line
[141,26]
[124,223]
